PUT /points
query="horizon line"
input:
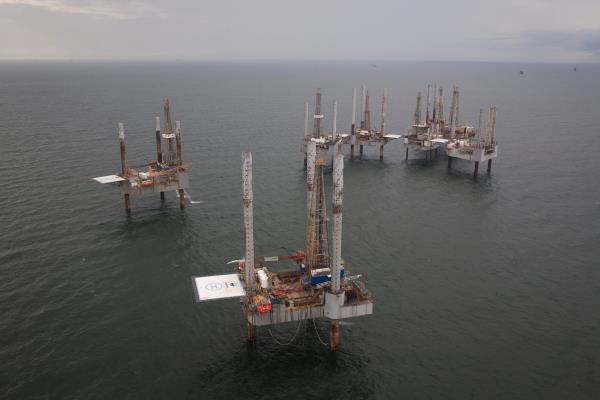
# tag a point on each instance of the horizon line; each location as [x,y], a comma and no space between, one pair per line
[281,60]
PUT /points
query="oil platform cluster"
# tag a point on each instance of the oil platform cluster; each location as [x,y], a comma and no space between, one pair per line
[166,173]
[318,287]
[427,136]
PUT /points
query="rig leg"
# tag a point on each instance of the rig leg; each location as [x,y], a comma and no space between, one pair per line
[476,170]
[449,162]
[407,154]
[305,160]
[181,199]
[361,150]
[127,203]
[381,152]
[251,333]
[162,196]
[352,152]
[489,169]
[334,336]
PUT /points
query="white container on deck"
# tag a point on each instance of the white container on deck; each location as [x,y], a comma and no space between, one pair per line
[263,278]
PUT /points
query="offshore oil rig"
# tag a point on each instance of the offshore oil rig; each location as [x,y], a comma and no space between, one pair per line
[166,173]
[427,136]
[458,140]
[317,287]
[366,134]
[360,136]
[474,145]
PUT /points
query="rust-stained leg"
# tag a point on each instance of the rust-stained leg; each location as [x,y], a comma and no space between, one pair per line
[476,170]
[352,152]
[334,336]
[181,199]
[251,333]
[407,154]
[127,203]
[361,150]
[381,152]
[489,169]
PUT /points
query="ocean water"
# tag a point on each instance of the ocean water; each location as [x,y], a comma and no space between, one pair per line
[483,289]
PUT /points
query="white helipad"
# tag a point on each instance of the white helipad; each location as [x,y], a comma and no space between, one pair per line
[109,179]
[218,287]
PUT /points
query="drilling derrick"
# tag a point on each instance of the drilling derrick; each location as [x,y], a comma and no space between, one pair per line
[318,116]
[317,246]
[417,114]
[247,197]
[427,113]
[311,206]
[367,116]
[453,122]
[168,134]
[433,112]
[383,110]
[440,110]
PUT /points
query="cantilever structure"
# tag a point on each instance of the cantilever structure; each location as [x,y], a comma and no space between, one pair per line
[317,287]
[166,173]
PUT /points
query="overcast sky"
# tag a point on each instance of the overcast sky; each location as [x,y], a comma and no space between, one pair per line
[480,30]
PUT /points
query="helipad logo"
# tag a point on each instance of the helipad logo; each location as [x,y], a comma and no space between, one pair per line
[214,286]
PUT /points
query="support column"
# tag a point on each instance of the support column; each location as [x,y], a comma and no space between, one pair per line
[158,141]
[334,336]
[449,162]
[407,153]
[124,167]
[476,170]
[352,152]
[178,143]
[361,150]
[181,198]
[159,150]
[305,159]
[127,203]
[489,168]
[251,333]
[381,152]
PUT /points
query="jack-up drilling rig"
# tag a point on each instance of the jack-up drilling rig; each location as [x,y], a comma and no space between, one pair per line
[317,287]
[166,173]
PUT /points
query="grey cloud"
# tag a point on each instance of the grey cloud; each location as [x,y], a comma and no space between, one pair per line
[109,9]
[587,40]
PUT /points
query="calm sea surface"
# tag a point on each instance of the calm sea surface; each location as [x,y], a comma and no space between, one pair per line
[483,289]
